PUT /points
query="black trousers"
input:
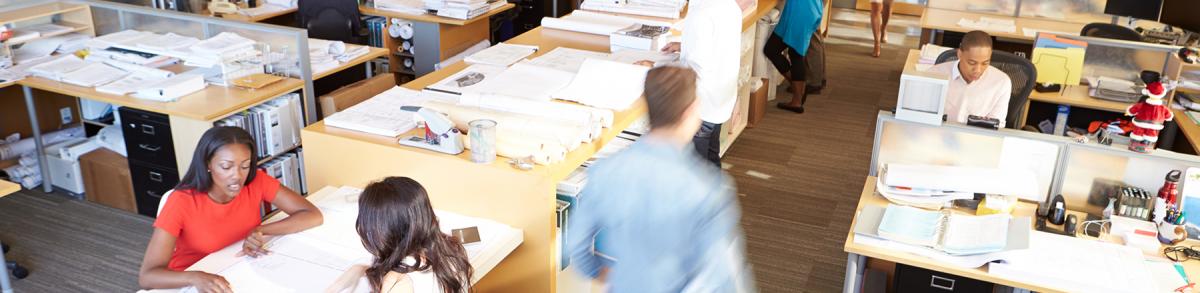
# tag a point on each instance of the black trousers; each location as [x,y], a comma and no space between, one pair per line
[708,142]
[774,48]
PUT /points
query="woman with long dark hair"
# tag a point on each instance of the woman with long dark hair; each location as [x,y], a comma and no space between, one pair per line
[397,225]
[218,203]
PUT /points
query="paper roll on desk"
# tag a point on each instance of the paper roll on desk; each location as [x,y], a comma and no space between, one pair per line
[547,109]
[517,126]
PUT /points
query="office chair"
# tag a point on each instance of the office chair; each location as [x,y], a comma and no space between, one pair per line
[15,269]
[1110,31]
[336,20]
[1019,70]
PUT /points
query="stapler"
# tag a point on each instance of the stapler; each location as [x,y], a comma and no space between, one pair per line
[440,134]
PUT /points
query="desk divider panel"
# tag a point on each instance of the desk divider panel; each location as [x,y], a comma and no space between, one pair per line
[1075,166]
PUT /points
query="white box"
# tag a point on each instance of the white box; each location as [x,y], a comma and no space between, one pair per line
[922,95]
[64,170]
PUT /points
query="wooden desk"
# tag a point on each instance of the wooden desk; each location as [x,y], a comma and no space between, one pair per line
[7,188]
[435,38]
[934,19]
[1190,129]
[1077,96]
[190,116]
[432,18]
[340,210]
[522,199]
[260,17]
[371,55]
[857,252]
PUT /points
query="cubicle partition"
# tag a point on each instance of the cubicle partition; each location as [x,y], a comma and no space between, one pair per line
[1078,11]
[287,45]
[1062,165]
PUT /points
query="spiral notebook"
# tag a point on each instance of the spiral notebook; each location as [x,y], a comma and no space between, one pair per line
[955,234]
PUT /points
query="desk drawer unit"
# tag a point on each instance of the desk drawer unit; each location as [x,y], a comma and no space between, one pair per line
[914,279]
[148,137]
[149,185]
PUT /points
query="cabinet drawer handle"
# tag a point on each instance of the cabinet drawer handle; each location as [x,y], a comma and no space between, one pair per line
[153,194]
[941,283]
[149,147]
[157,177]
[147,129]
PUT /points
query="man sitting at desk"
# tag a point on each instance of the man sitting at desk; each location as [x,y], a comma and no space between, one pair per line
[976,88]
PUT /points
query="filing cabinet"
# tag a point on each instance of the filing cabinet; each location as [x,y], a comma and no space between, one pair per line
[914,279]
[151,153]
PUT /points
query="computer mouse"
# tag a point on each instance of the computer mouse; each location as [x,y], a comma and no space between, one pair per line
[1069,227]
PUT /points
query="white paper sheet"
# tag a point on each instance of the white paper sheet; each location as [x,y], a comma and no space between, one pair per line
[605,84]
[502,54]
[93,74]
[632,56]
[1077,265]
[565,59]
[524,81]
[36,49]
[468,79]
[128,84]
[633,8]
[55,69]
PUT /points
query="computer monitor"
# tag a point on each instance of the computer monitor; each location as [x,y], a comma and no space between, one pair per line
[1181,14]
[1139,9]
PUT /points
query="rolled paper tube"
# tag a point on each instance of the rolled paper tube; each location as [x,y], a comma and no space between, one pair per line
[516,125]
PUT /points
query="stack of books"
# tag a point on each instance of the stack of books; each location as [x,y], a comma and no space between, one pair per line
[275,125]
[463,9]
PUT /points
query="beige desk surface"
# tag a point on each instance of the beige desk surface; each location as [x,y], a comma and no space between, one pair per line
[546,40]
[38,11]
[209,104]
[1077,95]
[372,54]
[1190,129]
[7,188]
[942,19]
[869,197]
[256,18]
[366,10]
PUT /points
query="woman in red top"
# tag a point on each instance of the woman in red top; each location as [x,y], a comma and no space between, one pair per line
[216,204]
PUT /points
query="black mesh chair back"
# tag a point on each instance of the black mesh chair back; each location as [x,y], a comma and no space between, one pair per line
[1110,31]
[336,20]
[1019,70]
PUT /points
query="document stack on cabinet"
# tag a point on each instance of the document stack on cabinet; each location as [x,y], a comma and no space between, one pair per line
[931,187]
[654,8]
[275,125]
[598,23]
[414,7]
[639,37]
[463,9]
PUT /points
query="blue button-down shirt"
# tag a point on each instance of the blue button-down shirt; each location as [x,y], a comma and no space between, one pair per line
[669,218]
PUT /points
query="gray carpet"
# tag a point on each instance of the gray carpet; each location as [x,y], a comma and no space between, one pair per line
[795,217]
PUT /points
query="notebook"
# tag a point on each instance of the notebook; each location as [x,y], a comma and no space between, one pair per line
[950,233]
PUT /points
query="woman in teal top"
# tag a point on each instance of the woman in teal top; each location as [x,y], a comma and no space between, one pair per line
[797,24]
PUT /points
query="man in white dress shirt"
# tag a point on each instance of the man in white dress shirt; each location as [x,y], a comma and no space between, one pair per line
[711,43]
[976,88]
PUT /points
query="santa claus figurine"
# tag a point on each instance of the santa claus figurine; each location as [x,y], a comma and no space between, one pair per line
[1148,117]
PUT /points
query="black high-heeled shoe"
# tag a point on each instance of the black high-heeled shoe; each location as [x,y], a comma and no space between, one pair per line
[789,107]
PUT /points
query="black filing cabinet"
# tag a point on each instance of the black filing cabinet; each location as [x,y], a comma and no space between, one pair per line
[919,280]
[151,156]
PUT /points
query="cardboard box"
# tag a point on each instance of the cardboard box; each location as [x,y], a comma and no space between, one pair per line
[758,103]
[355,93]
[106,179]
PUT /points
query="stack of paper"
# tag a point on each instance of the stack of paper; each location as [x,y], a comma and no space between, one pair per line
[502,54]
[466,80]
[605,84]
[92,75]
[989,24]
[381,114]
[461,9]
[57,68]
[929,55]
[45,29]
[36,49]
[414,7]
[635,8]
[931,186]
[72,42]
[523,81]
[1074,264]
[325,55]
[639,37]
[565,59]
[595,23]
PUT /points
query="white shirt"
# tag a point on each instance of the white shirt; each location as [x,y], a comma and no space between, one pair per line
[987,97]
[711,45]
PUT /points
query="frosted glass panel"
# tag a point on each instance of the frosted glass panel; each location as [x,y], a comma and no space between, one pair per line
[1080,11]
[1088,169]
[1003,7]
